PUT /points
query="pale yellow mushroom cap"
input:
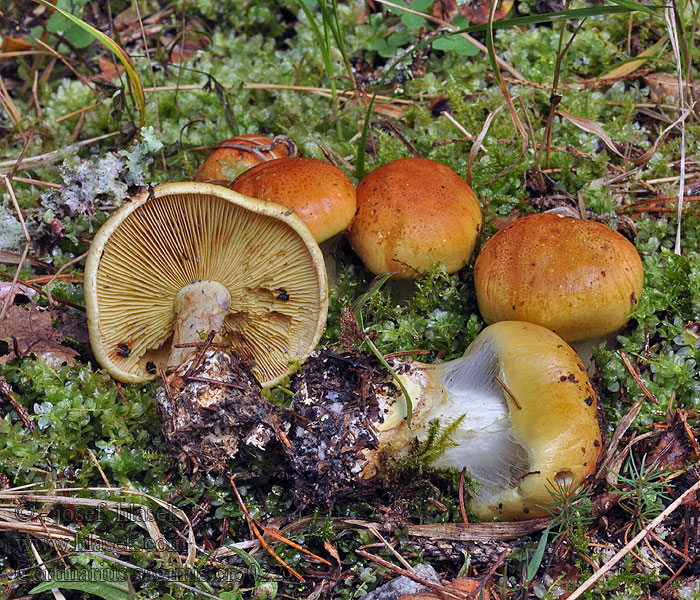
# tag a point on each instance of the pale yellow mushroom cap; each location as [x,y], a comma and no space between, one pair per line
[179,233]
[557,421]
[579,278]
[529,417]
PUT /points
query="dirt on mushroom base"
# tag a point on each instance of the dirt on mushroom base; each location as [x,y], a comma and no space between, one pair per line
[333,414]
[212,405]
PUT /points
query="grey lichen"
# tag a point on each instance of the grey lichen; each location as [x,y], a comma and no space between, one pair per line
[91,189]
[11,234]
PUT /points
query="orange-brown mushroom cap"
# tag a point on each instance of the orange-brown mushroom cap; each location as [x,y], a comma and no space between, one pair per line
[181,233]
[411,214]
[579,278]
[227,162]
[320,193]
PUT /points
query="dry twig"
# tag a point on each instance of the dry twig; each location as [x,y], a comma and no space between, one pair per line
[634,541]
[25,252]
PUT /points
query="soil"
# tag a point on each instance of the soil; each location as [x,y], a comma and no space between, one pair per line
[333,419]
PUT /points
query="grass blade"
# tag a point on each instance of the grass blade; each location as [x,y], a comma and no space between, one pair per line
[356,308]
[536,559]
[634,6]
[112,46]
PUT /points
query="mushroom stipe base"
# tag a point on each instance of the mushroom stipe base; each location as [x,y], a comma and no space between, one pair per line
[208,412]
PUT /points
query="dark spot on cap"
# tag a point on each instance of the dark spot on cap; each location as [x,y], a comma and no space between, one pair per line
[526,509]
[588,400]
[596,443]
[633,299]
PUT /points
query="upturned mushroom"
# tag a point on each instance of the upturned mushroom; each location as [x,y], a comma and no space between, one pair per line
[319,192]
[411,214]
[523,409]
[184,259]
[242,152]
[579,278]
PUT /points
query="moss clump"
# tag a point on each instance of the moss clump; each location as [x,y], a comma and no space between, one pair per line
[75,409]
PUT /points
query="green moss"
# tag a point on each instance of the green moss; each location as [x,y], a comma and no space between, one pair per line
[658,340]
[76,408]
[440,317]
[73,410]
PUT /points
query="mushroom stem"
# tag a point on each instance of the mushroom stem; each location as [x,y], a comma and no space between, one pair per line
[199,307]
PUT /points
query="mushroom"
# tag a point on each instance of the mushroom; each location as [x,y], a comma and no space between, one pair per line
[319,192]
[239,153]
[523,410]
[579,278]
[184,259]
[411,214]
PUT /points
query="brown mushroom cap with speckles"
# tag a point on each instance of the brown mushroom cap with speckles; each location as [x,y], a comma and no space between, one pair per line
[180,233]
[225,163]
[579,278]
[319,192]
[413,213]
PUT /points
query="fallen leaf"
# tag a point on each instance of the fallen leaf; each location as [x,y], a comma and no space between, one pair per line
[500,223]
[126,19]
[476,11]
[462,587]
[23,290]
[388,109]
[631,66]
[665,85]
[108,70]
[15,44]
[28,330]
[672,451]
